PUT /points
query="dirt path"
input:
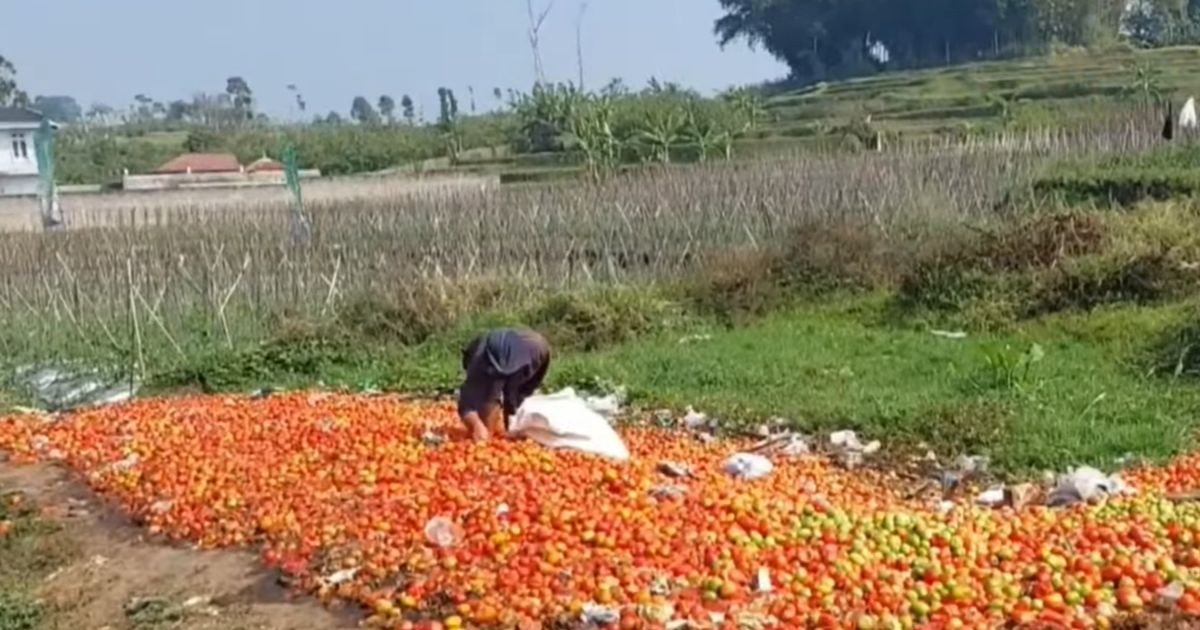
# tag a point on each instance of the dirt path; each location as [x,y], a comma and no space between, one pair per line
[122,580]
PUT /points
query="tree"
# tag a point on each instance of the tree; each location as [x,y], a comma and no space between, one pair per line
[144,109]
[447,107]
[301,104]
[820,39]
[387,108]
[63,109]
[242,97]
[333,118]
[179,111]
[448,122]
[100,114]
[10,94]
[407,107]
[362,111]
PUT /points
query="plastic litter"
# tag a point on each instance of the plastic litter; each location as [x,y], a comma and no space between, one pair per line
[849,441]
[440,531]
[663,493]
[659,613]
[433,440]
[992,497]
[748,466]
[1084,485]
[949,334]
[1167,597]
[694,419]
[762,581]
[789,444]
[675,470]
[600,616]
[607,406]
[969,465]
[564,420]
[849,451]
[340,577]
[61,389]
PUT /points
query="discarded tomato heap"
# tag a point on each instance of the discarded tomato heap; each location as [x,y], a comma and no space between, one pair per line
[357,499]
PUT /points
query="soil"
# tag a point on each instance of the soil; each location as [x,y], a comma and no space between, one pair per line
[120,578]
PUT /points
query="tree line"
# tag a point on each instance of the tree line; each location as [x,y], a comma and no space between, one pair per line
[827,39]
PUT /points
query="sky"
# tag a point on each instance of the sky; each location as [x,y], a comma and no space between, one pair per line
[108,51]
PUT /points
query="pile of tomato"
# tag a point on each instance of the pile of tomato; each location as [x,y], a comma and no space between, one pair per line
[338,490]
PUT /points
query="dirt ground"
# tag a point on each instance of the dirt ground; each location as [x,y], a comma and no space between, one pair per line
[120,579]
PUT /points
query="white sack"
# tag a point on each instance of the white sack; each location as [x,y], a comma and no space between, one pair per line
[564,420]
[1187,116]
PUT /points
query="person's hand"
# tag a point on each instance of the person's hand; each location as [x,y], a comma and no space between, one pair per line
[479,431]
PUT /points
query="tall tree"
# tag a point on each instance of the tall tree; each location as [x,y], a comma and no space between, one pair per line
[63,109]
[407,107]
[10,93]
[301,104]
[387,108]
[837,38]
[362,111]
[241,95]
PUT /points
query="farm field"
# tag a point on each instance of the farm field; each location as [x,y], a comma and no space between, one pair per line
[1028,297]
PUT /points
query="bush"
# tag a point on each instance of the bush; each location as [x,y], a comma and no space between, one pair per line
[592,320]
[1059,262]
[1117,187]
[1124,180]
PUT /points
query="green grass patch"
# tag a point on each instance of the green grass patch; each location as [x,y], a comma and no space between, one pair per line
[1081,398]
[31,549]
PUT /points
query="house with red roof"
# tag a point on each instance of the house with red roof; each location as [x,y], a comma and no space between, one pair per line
[212,170]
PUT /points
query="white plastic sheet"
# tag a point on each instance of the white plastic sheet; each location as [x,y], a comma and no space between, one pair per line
[564,420]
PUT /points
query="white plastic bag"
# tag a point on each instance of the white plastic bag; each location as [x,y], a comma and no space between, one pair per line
[748,466]
[564,420]
[1086,484]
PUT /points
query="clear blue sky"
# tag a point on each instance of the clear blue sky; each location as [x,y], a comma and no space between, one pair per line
[110,50]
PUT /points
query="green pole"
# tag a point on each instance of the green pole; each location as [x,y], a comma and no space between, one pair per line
[43,146]
[301,228]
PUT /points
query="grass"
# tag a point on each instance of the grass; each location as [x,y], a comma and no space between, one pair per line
[828,369]
[31,550]
[1090,399]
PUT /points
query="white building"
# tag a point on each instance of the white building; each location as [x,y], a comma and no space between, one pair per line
[18,160]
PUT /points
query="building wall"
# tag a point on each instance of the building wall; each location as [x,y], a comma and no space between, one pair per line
[23,163]
[18,185]
[208,180]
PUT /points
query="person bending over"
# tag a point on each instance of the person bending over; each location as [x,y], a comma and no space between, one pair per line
[503,367]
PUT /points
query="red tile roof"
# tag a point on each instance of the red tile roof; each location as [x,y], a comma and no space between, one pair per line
[264,164]
[201,163]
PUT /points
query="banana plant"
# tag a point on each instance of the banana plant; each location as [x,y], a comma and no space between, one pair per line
[591,134]
[662,130]
[708,128]
[749,107]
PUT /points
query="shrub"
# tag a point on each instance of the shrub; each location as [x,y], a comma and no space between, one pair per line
[595,319]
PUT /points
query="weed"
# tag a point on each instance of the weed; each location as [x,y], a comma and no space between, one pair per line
[1010,370]
[18,612]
